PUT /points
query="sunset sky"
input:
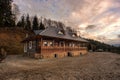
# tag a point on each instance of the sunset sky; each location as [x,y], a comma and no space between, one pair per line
[96,19]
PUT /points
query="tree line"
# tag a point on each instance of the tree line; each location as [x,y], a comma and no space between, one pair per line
[28,24]
[9,13]
[8,17]
[96,45]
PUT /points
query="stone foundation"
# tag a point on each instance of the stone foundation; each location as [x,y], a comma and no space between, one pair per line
[60,54]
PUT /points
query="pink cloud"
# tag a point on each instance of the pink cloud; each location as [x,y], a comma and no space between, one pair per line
[104,14]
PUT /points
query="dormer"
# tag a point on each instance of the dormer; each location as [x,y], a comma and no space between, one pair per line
[61,32]
[74,35]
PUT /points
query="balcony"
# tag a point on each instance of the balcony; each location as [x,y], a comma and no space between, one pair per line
[61,49]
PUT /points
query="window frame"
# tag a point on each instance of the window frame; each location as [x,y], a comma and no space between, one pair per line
[51,43]
[60,32]
[45,45]
[25,47]
[30,44]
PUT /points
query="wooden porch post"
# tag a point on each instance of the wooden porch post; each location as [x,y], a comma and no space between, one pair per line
[41,44]
[64,46]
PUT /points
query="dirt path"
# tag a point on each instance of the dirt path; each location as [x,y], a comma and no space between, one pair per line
[93,66]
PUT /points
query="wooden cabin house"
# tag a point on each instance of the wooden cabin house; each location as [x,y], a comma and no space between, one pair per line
[54,42]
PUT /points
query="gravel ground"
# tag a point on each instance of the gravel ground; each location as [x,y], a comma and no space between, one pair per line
[93,66]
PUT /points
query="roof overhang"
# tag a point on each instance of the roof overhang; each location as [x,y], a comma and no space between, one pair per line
[35,37]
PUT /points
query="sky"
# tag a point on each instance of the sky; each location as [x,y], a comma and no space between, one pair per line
[95,19]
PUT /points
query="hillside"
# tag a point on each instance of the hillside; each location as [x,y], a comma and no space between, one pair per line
[105,47]
[117,45]
[10,39]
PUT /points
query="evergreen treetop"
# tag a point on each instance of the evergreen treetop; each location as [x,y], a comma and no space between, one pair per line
[28,23]
[35,23]
[7,18]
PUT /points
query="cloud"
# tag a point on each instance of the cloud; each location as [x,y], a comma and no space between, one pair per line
[90,27]
[113,41]
[96,19]
[119,36]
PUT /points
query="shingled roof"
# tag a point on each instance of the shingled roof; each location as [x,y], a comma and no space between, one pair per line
[53,32]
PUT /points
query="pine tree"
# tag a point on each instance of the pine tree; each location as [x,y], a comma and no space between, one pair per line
[7,18]
[21,23]
[41,27]
[28,23]
[35,23]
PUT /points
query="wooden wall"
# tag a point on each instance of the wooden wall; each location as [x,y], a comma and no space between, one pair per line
[58,50]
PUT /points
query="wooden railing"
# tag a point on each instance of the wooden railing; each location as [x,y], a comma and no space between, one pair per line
[54,49]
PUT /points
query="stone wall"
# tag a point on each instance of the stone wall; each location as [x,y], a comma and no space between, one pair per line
[60,54]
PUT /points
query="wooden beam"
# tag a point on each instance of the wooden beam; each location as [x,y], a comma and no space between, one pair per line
[41,44]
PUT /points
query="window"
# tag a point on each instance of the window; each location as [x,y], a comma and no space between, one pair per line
[25,47]
[70,45]
[60,32]
[84,45]
[61,44]
[56,43]
[73,35]
[45,43]
[67,44]
[26,35]
[73,45]
[80,44]
[30,44]
[51,43]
